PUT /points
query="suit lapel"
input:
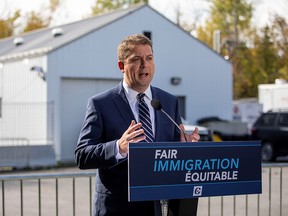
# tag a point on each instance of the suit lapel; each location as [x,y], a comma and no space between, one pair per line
[122,104]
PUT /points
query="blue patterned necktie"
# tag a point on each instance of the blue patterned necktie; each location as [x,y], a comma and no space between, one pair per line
[161,207]
[144,118]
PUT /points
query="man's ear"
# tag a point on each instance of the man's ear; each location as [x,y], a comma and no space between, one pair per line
[121,65]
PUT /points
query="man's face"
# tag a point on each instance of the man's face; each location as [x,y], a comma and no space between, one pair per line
[138,68]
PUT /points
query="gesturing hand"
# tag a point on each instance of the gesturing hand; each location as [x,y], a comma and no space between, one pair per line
[193,137]
[132,134]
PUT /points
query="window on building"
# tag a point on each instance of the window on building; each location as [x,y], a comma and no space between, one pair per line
[148,34]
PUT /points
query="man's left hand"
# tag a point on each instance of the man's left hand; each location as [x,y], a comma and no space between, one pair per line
[193,137]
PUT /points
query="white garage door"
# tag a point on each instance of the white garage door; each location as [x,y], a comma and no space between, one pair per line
[74,97]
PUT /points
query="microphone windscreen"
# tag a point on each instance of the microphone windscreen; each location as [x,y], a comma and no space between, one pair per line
[156,104]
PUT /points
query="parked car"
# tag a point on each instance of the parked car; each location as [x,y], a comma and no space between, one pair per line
[226,130]
[272,129]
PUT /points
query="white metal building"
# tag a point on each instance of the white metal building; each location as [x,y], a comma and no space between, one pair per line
[61,68]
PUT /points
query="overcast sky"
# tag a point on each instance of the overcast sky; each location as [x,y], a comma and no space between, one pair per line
[73,10]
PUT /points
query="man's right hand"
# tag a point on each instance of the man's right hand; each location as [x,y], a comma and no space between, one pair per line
[132,134]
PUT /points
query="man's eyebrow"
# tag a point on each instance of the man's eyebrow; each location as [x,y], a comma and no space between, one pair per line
[138,56]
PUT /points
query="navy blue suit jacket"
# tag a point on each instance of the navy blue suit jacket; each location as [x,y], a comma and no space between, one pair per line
[107,117]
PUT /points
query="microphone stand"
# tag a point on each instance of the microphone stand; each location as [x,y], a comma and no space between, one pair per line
[155,103]
[181,131]
[178,207]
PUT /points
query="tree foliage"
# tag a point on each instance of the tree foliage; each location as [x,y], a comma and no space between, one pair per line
[280,37]
[7,26]
[54,4]
[256,57]
[102,6]
[232,18]
[35,21]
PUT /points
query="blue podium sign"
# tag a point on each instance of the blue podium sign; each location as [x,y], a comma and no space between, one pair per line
[197,169]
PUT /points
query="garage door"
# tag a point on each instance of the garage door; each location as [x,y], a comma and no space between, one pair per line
[74,97]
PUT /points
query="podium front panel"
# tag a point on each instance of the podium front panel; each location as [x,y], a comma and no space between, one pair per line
[169,170]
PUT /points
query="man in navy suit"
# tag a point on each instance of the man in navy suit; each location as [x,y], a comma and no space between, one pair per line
[112,121]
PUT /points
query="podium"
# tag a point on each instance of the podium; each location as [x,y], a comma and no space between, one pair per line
[182,172]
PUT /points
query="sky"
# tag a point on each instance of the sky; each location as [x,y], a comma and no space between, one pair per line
[73,10]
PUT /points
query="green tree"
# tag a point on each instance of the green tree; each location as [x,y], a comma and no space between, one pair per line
[102,6]
[243,83]
[232,18]
[36,20]
[7,26]
[33,20]
[266,57]
[256,64]
[280,38]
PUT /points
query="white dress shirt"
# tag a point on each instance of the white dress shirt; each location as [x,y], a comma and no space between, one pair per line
[131,96]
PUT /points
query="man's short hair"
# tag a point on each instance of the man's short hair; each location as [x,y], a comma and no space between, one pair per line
[126,45]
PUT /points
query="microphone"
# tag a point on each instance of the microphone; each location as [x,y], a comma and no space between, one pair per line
[155,103]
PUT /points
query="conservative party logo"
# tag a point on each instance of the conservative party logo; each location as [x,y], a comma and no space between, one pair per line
[197,191]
